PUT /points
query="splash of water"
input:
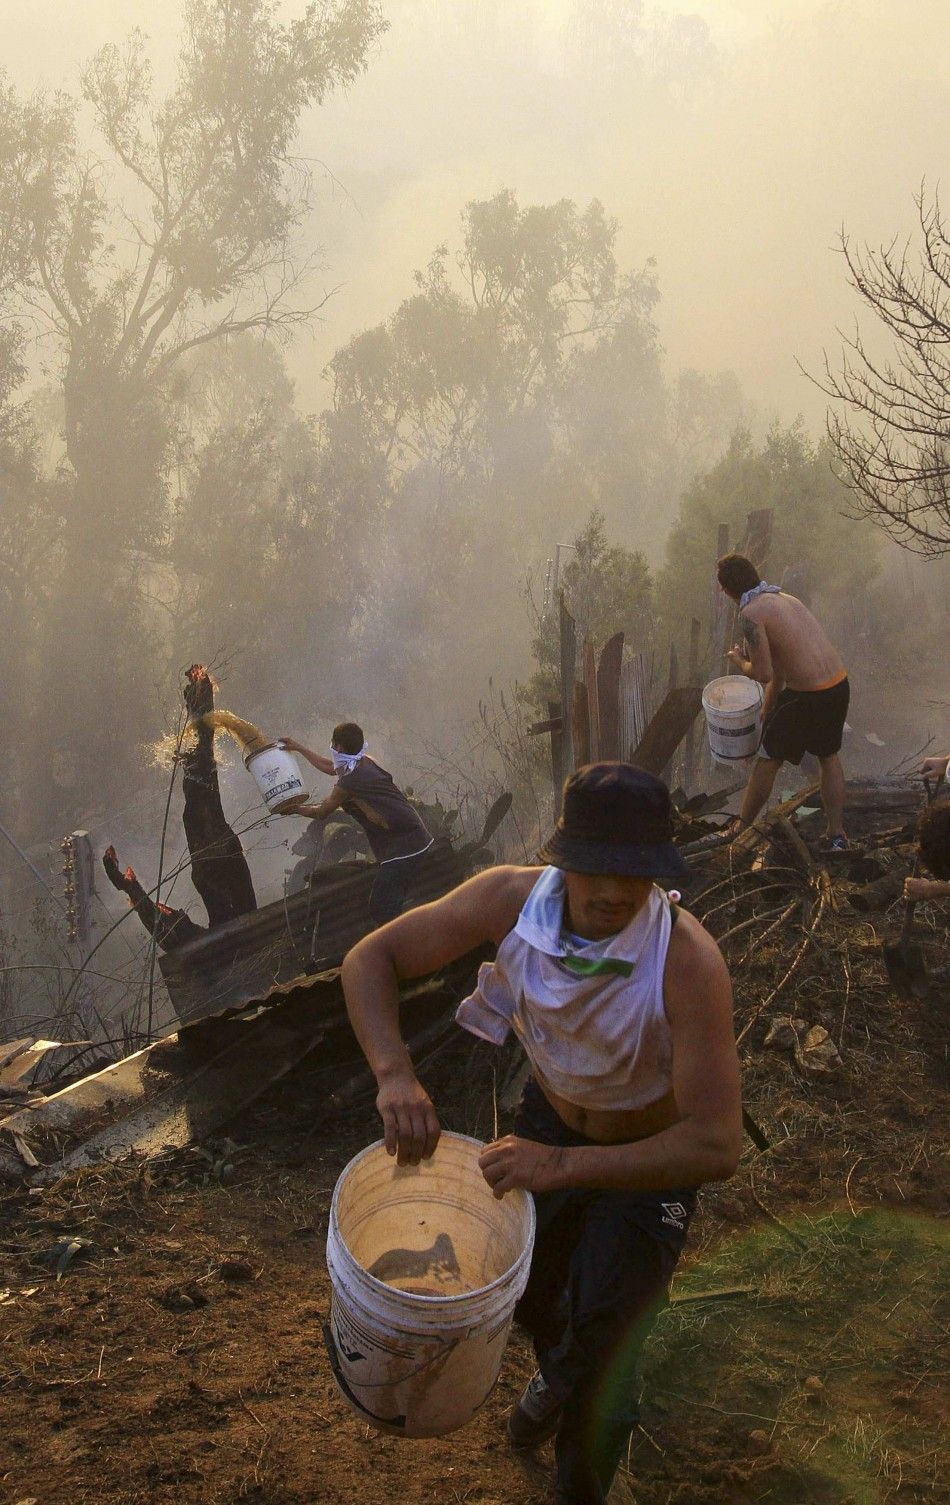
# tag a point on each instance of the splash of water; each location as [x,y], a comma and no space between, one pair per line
[249,738]
[166,751]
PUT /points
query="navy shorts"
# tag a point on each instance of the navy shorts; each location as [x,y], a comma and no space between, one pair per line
[806,721]
[601,1269]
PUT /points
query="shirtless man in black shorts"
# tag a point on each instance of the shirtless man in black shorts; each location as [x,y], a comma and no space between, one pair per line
[806,690]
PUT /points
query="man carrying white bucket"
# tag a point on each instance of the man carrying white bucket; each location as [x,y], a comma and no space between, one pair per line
[623,1004]
[806,691]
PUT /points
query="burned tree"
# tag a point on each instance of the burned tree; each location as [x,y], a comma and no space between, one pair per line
[210,196]
[891,424]
[219,869]
[170,927]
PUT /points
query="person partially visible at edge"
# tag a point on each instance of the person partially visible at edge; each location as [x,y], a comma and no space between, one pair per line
[806,691]
[623,1005]
[936,768]
[933,837]
[396,833]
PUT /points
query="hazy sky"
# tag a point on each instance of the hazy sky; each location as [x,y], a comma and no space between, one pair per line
[735,172]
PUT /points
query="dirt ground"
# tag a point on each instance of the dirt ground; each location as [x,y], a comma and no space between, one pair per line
[179,1355]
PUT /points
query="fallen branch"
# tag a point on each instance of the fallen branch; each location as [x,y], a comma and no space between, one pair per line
[748,840]
[796,963]
[755,920]
[766,888]
[773,1217]
[787,833]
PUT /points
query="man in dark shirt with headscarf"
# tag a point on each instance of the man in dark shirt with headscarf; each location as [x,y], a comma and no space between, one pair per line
[396,834]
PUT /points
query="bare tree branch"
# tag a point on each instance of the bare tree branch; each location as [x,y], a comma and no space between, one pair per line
[889,421]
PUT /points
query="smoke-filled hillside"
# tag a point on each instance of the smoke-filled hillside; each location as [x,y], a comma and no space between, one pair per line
[326,330]
[475,736]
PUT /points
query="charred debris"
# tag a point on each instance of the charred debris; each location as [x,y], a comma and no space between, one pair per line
[257,990]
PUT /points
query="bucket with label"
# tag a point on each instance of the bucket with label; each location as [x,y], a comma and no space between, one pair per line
[426,1267]
[733,709]
[278,777]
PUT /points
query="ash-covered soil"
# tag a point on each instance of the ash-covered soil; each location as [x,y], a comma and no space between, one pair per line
[178,1357]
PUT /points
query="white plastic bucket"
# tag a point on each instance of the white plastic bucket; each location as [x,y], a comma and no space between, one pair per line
[278,777]
[417,1353]
[733,709]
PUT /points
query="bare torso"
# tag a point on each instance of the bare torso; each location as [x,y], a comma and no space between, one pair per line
[803,657]
[613,1127]
[604,1127]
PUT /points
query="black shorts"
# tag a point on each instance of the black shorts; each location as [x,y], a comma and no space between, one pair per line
[806,721]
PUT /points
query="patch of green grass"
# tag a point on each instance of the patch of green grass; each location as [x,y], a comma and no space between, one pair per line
[820,1385]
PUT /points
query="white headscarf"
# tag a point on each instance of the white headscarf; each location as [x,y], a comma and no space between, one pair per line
[346,762]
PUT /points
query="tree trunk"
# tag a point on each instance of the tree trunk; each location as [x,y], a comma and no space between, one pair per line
[170,927]
[219,868]
[97,706]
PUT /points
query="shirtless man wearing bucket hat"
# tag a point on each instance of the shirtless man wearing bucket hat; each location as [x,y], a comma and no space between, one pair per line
[623,1004]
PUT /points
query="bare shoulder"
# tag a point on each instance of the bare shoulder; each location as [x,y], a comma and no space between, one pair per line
[499,893]
[774,606]
[779,608]
[483,908]
[696,976]
[755,617]
[480,911]
[691,945]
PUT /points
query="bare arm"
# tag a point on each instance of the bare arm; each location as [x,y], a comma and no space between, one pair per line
[483,909]
[926,888]
[760,664]
[326,807]
[706,1142]
[931,767]
[325,765]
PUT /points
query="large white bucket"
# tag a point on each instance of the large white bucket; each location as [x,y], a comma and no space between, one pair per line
[416,1348]
[278,777]
[733,710]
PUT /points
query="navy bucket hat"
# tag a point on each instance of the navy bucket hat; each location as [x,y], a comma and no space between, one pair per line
[615,818]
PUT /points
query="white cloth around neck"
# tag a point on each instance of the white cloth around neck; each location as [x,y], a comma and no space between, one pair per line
[599,1041]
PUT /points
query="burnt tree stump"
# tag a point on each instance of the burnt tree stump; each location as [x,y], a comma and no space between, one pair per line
[219,868]
[170,927]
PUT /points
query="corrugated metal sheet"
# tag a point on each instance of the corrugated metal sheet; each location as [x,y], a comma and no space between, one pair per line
[187,1085]
[285,943]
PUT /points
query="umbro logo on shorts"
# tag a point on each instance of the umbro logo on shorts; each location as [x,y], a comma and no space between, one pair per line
[675,1213]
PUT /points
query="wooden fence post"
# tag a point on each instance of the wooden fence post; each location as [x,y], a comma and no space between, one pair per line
[608,696]
[593,702]
[557,754]
[568,666]
[581,725]
[689,755]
